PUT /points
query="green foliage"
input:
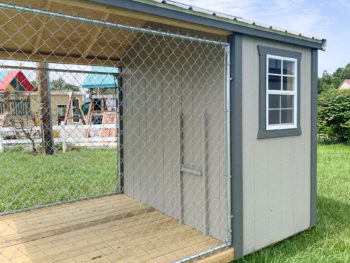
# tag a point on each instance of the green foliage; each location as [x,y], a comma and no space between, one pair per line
[332,81]
[34,84]
[60,84]
[325,82]
[334,115]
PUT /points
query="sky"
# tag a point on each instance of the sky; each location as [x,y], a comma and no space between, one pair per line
[327,19]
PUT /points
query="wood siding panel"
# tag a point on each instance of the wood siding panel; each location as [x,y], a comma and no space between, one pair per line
[166,77]
[276,171]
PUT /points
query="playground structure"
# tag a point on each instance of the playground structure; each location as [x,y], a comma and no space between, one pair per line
[101,108]
[20,110]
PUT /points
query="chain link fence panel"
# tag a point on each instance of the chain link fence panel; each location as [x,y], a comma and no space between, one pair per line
[112,140]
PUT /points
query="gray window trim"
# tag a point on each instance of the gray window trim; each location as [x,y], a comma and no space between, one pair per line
[263,133]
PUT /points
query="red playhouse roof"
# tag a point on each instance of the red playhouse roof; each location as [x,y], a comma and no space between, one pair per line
[347,81]
[15,80]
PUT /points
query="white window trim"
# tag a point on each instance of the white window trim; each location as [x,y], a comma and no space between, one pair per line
[73,112]
[282,92]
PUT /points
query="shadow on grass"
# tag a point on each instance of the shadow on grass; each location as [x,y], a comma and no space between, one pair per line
[333,218]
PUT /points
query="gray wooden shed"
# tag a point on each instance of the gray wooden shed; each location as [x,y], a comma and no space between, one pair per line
[272,147]
[217,114]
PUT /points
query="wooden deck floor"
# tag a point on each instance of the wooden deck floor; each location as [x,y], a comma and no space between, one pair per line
[106,229]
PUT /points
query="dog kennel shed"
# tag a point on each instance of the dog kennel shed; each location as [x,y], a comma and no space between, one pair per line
[217,128]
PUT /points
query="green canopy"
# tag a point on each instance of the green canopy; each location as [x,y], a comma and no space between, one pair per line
[95,80]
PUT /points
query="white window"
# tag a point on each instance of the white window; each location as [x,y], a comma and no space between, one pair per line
[281,92]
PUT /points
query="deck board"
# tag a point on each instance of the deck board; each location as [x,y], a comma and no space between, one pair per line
[107,229]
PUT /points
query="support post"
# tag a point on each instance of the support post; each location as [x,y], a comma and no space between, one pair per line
[181,185]
[120,112]
[1,143]
[63,137]
[42,77]
[205,174]
[236,149]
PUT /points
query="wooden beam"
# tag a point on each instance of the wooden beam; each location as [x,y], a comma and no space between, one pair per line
[42,79]
[42,29]
[59,58]
[142,16]
[67,109]
[76,105]
[95,36]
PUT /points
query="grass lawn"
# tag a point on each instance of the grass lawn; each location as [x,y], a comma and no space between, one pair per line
[329,241]
[28,180]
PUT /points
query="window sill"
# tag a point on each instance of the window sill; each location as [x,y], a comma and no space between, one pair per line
[267,134]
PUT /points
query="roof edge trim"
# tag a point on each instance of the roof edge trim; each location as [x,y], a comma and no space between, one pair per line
[206,21]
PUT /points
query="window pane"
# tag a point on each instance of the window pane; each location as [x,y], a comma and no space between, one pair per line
[274,116]
[287,101]
[274,83]
[287,116]
[274,66]
[274,101]
[288,83]
[288,67]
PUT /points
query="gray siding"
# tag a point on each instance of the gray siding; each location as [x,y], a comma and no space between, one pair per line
[163,78]
[276,171]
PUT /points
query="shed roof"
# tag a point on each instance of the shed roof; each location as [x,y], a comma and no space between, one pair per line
[97,42]
[94,80]
[195,15]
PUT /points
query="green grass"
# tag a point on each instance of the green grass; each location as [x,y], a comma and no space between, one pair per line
[329,241]
[28,180]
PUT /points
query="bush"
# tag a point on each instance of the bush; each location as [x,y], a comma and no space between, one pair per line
[334,115]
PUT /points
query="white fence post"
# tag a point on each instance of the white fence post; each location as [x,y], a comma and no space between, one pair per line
[63,137]
[1,144]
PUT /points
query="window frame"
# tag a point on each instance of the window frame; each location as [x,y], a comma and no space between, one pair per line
[73,121]
[57,106]
[281,92]
[267,130]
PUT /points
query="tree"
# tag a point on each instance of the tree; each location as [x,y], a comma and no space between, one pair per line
[42,78]
[333,81]
[34,84]
[325,82]
[60,84]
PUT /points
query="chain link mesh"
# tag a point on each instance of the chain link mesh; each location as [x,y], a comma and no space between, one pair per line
[112,140]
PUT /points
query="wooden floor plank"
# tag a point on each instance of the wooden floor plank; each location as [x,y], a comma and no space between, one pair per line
[46,224]
[101,232]
[108,229]
[67,212]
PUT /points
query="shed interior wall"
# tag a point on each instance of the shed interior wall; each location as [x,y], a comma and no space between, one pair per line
[164,79]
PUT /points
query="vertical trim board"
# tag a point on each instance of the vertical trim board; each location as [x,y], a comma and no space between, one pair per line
[236,143]
[313,166]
